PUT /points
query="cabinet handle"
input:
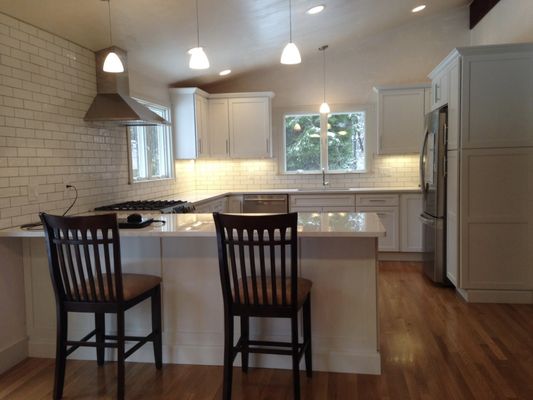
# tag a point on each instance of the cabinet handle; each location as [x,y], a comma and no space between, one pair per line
[227,146]
[199,146]
[267,145]
[377,200]
[437,96]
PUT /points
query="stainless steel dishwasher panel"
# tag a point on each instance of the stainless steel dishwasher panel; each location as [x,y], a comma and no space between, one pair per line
[265,203]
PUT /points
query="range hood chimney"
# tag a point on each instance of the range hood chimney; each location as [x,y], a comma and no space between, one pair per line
[113,102]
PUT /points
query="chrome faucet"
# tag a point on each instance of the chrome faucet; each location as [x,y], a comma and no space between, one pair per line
[324,182]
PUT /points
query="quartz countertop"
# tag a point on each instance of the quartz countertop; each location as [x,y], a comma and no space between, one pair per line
[343,224]
[208,195]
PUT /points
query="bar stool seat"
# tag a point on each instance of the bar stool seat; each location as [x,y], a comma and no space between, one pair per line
[133,285]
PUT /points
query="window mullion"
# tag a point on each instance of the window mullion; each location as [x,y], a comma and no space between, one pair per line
[324,141]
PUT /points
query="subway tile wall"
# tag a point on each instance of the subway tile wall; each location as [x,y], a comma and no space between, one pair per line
[47,84]
[385,171]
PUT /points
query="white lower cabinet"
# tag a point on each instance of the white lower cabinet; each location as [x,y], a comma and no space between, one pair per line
[389,217]
[217,205]
[410,224]
[322,203]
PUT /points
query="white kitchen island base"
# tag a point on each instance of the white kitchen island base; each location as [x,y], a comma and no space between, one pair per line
[344,302]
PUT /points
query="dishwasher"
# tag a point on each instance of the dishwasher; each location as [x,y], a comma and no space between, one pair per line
[265,203]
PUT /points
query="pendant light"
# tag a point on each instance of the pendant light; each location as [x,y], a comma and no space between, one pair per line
[290,54]
[324,107]
[198,58]
[112,62]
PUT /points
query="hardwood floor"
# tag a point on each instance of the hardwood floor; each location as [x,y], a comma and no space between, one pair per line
[433,345]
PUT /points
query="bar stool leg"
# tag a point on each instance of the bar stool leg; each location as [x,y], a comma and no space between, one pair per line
[156,327]
[245,334]
[228,356]
[61,353]
[120,355]
[307,336]
[295,359]
[99,322]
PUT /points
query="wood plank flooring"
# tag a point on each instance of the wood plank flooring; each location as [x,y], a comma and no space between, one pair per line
[433,345]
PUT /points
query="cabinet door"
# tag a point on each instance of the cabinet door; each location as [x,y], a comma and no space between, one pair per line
[410,224]
[390,219]
[439,90]
[201,126]
[452,218]
[454,102]
[218,128]
[496,219]
[400,120]
[249,122]
[497,100]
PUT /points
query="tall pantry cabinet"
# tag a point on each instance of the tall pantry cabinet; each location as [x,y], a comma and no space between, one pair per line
[489,93]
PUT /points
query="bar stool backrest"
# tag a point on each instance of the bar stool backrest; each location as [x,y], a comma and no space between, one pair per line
[262,249]
[84,258]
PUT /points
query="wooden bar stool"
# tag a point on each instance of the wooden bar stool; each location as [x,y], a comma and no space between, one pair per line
[258,258]
[86,271]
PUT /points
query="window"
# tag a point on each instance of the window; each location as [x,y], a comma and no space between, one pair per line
[151,149]
[335,142]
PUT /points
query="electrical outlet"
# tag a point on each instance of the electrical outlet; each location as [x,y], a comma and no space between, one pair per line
[33,192]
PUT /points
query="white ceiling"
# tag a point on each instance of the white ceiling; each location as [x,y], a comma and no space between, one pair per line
[237,34]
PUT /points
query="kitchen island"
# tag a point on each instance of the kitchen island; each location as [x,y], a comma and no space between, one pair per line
[337,251]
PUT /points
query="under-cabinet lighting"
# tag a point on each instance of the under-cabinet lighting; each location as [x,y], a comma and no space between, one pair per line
[418,8]
[225,72]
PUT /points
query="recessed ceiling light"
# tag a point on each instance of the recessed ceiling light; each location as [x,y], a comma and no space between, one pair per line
[315,9]
[225,72]
[418,8]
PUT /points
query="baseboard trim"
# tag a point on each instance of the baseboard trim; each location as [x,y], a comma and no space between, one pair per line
[497,296]
[342,362]
[12,354]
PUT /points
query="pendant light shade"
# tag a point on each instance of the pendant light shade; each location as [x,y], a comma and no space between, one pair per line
[198,58]
[290,54]
[324,107]
[112,62]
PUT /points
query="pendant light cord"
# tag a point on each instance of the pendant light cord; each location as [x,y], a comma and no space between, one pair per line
[290,21]
[110,30]
[197,26]
[323,50]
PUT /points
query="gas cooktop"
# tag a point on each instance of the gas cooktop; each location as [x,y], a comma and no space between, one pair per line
[163,206]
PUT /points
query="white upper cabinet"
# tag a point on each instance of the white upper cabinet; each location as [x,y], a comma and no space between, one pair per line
[496,100]
[189,126]
[235,125]
[218,128]
[401,113]
[440,89]
[454,104]
[250,127]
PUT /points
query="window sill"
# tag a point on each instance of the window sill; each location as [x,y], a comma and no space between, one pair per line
[133,182]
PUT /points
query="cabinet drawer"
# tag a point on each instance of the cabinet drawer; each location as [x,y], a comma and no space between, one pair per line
[378,200]
[323,200]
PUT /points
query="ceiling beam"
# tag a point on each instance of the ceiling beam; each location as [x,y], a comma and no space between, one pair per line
[480,8]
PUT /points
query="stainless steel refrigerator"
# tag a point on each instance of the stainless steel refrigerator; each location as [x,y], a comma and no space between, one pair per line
[433,184]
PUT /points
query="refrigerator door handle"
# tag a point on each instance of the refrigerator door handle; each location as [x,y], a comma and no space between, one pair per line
[426,220]
[423,162]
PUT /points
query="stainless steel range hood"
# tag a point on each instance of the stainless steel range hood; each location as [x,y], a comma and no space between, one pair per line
[112,102]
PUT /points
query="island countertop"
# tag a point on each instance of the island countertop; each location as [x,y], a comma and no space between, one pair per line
[338,224]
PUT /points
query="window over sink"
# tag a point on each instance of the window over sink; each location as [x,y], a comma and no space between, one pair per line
[335,142]
[150,149]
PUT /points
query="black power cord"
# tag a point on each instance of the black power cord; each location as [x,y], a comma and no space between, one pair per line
[38,225]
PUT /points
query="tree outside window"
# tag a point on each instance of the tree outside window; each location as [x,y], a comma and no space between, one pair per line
[335,143]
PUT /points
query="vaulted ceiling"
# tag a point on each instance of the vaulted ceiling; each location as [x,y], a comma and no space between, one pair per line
[237,34]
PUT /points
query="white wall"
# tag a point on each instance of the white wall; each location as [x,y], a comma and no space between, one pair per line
[510,21]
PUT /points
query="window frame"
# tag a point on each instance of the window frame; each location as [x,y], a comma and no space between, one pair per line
[324,140]
[147,153]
